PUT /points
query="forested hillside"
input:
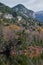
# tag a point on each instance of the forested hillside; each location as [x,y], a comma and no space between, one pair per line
[21,38]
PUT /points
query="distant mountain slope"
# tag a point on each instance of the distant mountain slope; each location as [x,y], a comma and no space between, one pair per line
[39,16]
[21,9]
[6,9]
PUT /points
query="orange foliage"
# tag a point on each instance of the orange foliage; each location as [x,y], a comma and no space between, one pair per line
[15,27]
[35,51]
[40,29]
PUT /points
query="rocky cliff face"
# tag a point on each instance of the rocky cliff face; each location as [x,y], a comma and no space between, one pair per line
[21,9]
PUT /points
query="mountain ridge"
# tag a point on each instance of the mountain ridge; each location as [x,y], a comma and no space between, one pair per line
[39,16]
[23,10]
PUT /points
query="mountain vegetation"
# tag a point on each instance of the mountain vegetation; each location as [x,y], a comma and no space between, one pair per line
[21,9]
[39,16]
[21,37]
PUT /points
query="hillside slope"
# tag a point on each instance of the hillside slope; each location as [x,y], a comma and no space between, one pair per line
[21,9]
[39,16]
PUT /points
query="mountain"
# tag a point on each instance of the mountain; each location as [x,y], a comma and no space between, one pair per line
[21,37]
[6,9]
[39,16]
[21,9]
[1,4]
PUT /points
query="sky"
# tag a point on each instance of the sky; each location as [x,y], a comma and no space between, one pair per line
[35,5]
